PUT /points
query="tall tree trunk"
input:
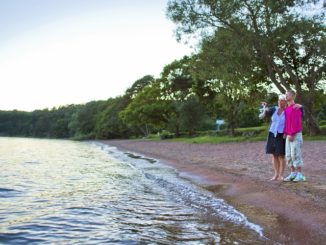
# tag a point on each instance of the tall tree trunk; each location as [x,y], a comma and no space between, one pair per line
[232,120]
[177,131]
[232,128]
[309,118]
[311,123]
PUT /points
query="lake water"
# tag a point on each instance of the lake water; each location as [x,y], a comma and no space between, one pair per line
[66,192]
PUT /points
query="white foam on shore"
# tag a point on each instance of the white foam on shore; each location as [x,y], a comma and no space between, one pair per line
[184,191]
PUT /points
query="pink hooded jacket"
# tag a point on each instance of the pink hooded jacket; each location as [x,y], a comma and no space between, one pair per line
[293,120]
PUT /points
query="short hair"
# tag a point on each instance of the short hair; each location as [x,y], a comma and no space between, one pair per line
[281,97]
[292,92]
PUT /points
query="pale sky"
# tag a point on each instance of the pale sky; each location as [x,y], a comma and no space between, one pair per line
[59,52]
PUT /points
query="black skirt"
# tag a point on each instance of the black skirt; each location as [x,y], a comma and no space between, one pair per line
[275,145]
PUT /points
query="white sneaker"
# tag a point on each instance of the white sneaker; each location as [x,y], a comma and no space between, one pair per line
[300,177]
[291,177]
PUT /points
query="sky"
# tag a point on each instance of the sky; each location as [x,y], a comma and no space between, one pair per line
[59,52]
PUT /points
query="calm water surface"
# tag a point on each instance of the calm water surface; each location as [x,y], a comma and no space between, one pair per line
[65,192]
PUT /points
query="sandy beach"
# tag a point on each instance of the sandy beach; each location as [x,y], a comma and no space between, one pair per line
[290,213]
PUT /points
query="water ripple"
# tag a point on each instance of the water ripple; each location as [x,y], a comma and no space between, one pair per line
[7,193]
[64,192]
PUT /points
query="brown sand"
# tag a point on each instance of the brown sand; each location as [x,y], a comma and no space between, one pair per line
[290,213]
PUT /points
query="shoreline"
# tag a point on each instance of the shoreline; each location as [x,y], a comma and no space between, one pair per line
[290,213]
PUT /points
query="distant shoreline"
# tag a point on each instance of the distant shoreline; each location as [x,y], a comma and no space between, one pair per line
[240,173]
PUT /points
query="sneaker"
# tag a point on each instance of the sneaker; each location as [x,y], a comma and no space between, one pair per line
[290,177]
[300,177]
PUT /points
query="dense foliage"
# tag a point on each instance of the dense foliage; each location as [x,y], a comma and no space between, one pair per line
[285,40]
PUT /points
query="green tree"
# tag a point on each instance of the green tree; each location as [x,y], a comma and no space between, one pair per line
[42,120]
[138,86]
[108,124]
[176,81]
[14,123]
[148,108]
[176,85]
[192,114]
[60,123]
[224,70]
[83,121]
[288,43]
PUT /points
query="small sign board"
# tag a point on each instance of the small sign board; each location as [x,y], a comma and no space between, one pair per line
[219,122]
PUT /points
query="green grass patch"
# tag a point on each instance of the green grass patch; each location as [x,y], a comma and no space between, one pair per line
[215,139]
[241,135]
[258,129]
[153,137]
[229,139]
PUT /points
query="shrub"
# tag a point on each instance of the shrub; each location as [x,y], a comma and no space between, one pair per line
[166,135]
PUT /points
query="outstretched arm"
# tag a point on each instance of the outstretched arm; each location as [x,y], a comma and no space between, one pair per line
[262,112]
[297,106]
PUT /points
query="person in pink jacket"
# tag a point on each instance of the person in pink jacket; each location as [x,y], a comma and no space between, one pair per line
[293,134]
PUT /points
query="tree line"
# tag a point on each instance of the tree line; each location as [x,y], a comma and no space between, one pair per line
[247,51]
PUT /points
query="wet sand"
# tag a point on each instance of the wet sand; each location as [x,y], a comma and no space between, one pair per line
[290,213]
